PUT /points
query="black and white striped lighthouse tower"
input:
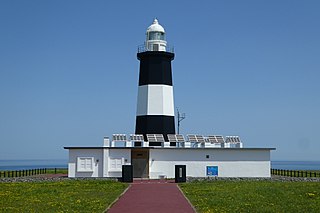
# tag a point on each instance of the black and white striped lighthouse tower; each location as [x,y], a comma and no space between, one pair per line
[155,110]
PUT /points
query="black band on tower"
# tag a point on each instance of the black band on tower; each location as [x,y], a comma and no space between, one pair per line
[155,124]
[155,68]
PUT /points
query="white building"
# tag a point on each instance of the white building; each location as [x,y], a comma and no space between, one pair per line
[208,156]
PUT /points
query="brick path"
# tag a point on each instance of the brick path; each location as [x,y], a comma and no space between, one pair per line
[152,196]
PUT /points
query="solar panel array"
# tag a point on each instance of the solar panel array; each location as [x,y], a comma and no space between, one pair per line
[119,137]
[176,138]
[233,139]
[134,137]
[196,138]
[155,138]
[215,139]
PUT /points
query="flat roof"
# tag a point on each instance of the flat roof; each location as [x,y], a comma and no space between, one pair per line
[102,147]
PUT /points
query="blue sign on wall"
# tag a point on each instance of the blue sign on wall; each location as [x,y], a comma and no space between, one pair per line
[212,170]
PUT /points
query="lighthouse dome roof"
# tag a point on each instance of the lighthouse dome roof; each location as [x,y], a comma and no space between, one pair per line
[155,27]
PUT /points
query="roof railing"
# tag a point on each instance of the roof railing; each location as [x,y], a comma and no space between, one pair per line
[142,48]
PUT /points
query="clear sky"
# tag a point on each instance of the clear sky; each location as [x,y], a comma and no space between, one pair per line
[69,72]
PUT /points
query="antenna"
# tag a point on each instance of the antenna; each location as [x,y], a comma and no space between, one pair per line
[180,118]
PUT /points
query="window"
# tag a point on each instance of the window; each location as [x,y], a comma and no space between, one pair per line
[116,164]
[156,36]
[85,164]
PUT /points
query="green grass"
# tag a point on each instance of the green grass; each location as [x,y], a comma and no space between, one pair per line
[59,171]
[253,196]
[60,196]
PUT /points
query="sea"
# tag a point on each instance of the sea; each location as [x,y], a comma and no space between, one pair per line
[296,165]
[13,165]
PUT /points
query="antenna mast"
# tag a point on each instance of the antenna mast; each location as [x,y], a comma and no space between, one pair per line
[180,118]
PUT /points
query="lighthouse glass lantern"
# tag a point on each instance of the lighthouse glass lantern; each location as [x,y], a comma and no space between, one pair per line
[155,39]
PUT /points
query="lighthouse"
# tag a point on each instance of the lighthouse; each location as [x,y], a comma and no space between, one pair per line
[137,157]
[155,107]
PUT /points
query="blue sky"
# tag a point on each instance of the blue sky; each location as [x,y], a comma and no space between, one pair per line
[69,72]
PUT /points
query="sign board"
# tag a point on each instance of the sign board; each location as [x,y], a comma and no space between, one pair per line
[212,170]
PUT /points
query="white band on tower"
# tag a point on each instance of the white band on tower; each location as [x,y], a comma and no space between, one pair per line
[154,99]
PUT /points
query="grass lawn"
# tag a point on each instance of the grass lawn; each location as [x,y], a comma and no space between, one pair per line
[59,171]
[60,196]
[253,196]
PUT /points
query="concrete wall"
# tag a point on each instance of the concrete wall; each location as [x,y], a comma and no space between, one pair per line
[231,163]
[97,165]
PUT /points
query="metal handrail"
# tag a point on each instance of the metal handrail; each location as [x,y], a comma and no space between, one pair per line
[142,48]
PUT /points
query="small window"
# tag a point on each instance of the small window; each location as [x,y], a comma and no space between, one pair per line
[85,164]
[207,156]
[116,164]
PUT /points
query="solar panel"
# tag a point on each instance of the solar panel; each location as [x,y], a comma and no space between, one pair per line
[200,138]
[212,139]
[196,138]
[192,138]
[176,138]
[180,138]
[134,137]
[233,139]
[155,138]
[215,139]
[220,138]
[119,137]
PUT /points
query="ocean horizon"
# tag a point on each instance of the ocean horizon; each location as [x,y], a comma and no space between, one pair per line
[63,163]
[32,164]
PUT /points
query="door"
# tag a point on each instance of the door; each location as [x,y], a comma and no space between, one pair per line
[140,163]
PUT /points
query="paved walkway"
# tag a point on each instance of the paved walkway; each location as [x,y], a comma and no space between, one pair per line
[152,196]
